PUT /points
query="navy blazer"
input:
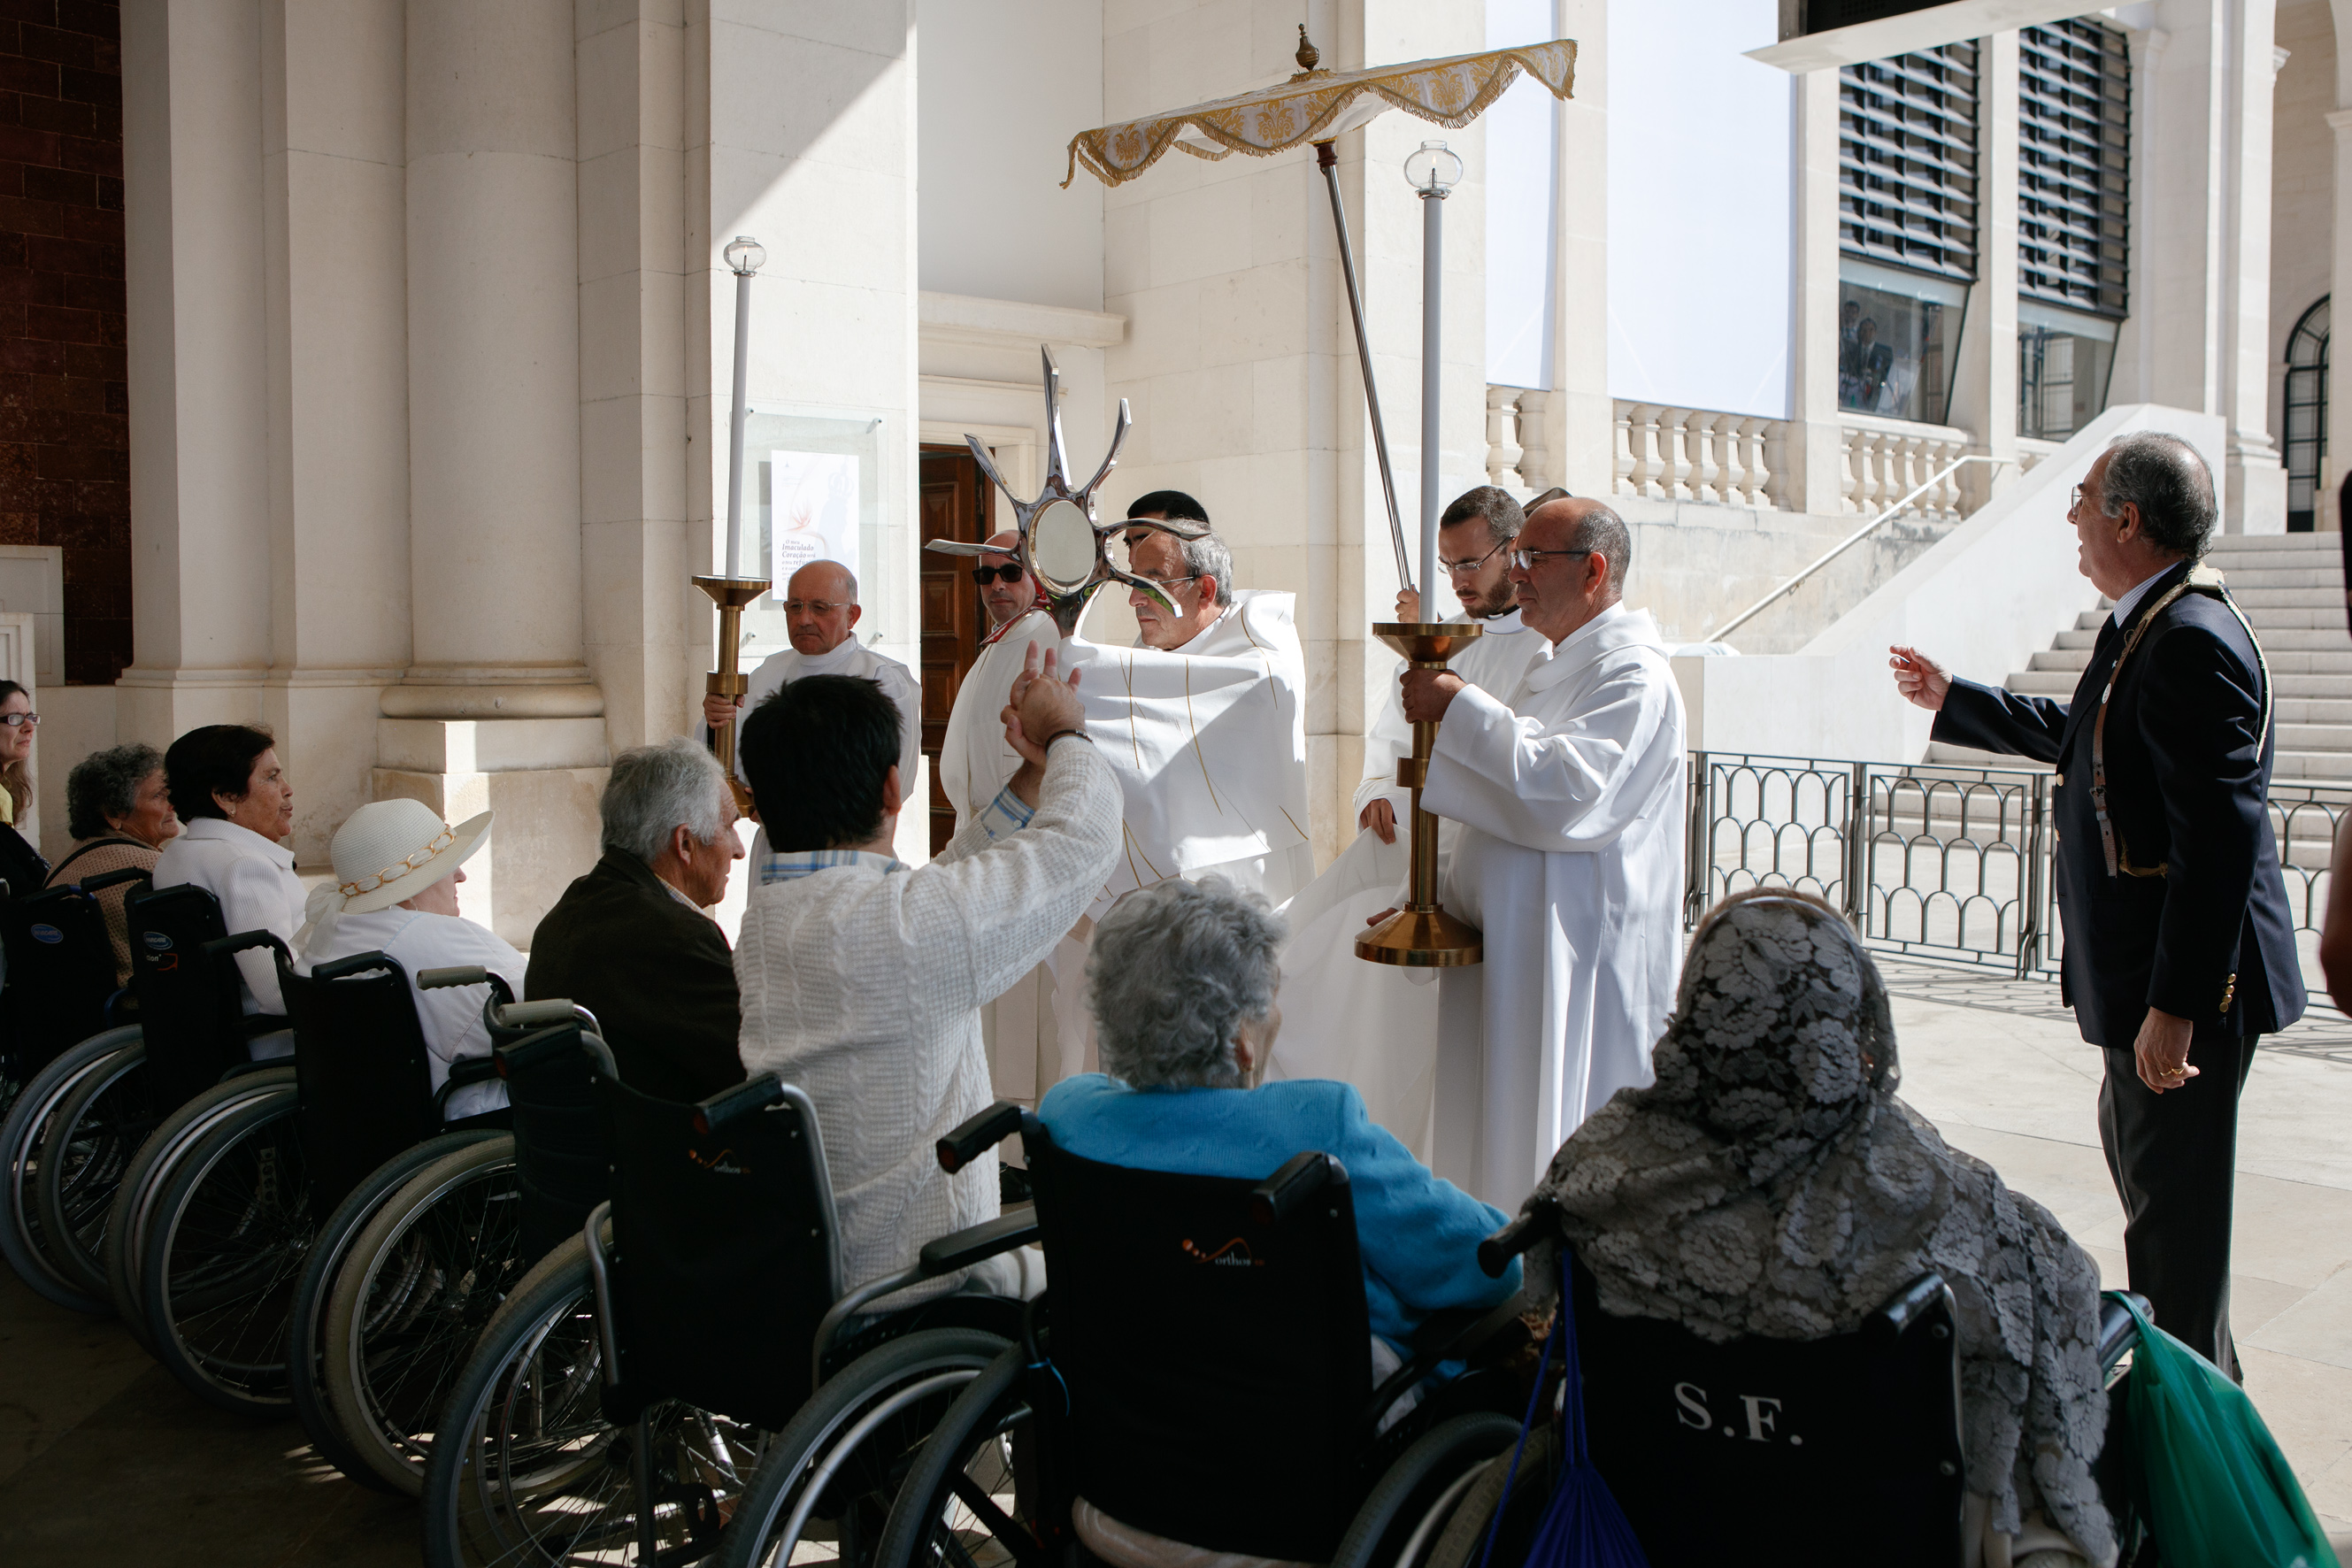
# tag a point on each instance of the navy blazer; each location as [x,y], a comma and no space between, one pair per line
[2188,785]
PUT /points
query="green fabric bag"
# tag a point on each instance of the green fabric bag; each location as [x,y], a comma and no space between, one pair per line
[2204,1473]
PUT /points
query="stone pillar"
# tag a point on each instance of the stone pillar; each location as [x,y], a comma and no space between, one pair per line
[1578,420]
[2339,406]
[198,367]
[1816,440]
[496,711]
[1984,389]
[2254,485]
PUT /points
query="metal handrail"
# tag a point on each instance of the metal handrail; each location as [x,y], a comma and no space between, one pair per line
[1791,587]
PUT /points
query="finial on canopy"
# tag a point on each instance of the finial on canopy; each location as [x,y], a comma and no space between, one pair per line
[1309,57]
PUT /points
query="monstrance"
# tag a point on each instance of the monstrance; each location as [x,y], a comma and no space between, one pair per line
[1064,550]
[1315,108]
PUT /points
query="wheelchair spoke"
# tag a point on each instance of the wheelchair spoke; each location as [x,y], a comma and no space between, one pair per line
[236,1256]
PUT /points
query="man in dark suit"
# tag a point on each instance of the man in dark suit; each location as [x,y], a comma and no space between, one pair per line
[2180,946]
[629,941]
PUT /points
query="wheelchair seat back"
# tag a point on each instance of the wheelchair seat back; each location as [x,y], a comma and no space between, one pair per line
[362,1074]
[190,1009]
[562,1155]
[1712,1447]
[1190,1332]
[725,1250]
[60,973]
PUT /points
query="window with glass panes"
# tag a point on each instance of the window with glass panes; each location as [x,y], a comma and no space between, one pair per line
[2073,165]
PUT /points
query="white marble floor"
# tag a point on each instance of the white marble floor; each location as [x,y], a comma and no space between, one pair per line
[1999,1068]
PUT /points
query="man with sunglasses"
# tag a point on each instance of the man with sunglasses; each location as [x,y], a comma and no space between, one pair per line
[1005,591]
[821,612]
[1569,795]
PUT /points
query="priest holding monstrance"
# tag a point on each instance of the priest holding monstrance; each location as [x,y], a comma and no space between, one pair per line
[1570,793]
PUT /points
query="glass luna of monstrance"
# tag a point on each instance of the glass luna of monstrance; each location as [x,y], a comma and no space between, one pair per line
[1064,550]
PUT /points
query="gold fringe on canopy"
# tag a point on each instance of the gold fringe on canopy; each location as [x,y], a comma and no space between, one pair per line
[1318,105]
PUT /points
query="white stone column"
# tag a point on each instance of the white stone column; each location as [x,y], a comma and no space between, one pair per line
[1579,419]
[2254,486]
[198,367]
[1984,388]
[496,711]
[2339,404]
[1816,442]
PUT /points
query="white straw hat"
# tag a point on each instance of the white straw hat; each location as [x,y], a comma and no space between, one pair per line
[389,850]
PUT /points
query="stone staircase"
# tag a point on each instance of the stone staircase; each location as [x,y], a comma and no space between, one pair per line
[2292,588]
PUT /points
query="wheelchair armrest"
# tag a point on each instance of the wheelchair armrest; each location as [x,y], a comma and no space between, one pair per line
[2117,1333]
[357,963]
[1442,1327]
[115,879]
[981,1133]
[724,1107]
[472,1070]
[1896,1316]
[539,1015]
[553,1041]
[458,974]
[1449,1335]
[255,1025]
[1495,1253]
[221,947]
[238,1070]
[1301,1178]
[968,1246]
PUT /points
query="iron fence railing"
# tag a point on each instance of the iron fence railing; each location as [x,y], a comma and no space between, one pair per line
[1943,862]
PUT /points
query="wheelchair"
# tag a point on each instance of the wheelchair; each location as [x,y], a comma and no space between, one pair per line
[618,1404]
[1710,1448]
[65,1014]
[1188,1319]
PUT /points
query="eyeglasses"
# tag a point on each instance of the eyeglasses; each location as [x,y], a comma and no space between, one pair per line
[813,606]
[984,575]
[18,721]
[1167,582]
[400,867]
[1525,560]
[1458,568]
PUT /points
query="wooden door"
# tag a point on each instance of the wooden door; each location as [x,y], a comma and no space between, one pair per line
[955,505]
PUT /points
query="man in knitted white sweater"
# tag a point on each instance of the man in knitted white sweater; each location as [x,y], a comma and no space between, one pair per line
[862,980]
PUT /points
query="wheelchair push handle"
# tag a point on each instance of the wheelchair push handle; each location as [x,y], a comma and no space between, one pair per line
[977,1136]
[1301,1180]
[754,1094]
[1495,1253]
[1908,1307]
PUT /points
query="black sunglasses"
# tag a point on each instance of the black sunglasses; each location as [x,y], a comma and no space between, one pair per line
[984,575]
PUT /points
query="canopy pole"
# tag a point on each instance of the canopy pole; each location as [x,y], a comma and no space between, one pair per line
[1326,161]
[1433,294]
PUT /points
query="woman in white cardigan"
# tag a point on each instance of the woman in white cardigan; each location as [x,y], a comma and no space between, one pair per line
[230,790]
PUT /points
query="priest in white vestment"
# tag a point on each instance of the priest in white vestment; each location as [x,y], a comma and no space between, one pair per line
[1204,721]
[1369,1024]
[1570,797]
[821,613]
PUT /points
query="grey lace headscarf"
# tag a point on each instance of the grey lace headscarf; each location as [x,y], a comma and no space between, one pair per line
[1770,1184]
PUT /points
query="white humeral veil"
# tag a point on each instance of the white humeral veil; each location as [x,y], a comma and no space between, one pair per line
[1374,1026]
[1209,741]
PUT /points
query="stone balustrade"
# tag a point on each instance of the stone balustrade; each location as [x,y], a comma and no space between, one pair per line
[1738,459]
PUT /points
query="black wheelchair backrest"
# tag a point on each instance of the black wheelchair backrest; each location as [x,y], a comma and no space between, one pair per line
[561,1154]
[190,1009]
[365,1078]
[1711,1448]
[1195,1320]
[725,1249]
[60,972]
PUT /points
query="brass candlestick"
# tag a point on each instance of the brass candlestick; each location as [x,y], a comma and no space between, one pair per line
[730,595]
[1421,935]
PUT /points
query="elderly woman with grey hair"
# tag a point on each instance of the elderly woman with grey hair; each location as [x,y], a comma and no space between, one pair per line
[1182,980]
[120,812]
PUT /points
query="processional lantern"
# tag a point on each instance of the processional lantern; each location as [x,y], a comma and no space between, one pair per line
[1315,108]
[730,590]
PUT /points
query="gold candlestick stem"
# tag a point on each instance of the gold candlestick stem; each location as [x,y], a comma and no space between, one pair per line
[730,595]
[1421,935]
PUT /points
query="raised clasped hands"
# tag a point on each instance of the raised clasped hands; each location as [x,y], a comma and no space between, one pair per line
[1040,707]
[1919,679]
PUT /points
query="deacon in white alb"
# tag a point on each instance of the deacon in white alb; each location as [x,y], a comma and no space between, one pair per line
[1203,723]
[1370,1025]
[1570,797]
[821,611]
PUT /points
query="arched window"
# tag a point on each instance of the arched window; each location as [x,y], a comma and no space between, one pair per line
[2306,417]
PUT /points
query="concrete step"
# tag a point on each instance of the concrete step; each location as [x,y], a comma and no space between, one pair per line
[2312,710]
[1949,755]
[2224,557]
[2317,618]
[2270,576]
[2330,766]
[2261,542]
[2327,596]
[2314,737]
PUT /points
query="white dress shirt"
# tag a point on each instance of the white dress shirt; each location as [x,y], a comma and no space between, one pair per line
[451,1018]
[2138,591]
[254,879]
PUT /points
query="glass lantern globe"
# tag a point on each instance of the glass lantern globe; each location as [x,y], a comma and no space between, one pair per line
[746,255]
[1434,170]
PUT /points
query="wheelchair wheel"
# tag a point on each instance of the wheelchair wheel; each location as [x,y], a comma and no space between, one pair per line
[1400,1520]
[22,1241]
[306,1341]
[526,1470]
[424,1277]
[957,1504]
[84,1156]
[174,1136]
[225,1240]
[832,1473]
